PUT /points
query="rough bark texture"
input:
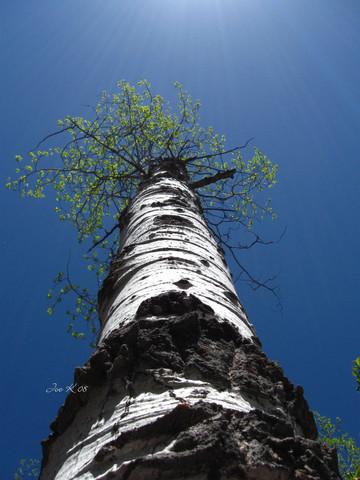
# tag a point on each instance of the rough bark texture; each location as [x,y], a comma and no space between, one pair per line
[179,387]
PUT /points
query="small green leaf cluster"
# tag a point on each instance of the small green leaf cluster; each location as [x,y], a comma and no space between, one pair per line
[238,200]
[83,307]
[347,449]
[356,371]
[28,468]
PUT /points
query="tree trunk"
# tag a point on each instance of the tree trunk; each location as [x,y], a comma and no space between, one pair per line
[178,387]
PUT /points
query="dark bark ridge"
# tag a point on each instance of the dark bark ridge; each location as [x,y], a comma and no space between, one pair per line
[209,441]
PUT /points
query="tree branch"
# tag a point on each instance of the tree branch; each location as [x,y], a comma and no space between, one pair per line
[51,135]
[209,180]
[211,155]
[107,234]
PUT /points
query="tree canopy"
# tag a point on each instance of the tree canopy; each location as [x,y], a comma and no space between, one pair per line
[95,166]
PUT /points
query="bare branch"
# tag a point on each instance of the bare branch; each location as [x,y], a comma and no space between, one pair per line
[75,289]
[209,180]
[51,135]
[211,155]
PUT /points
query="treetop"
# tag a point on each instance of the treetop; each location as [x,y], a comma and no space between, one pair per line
[95,166]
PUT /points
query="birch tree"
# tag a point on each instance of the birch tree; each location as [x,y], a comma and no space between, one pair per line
[178,386]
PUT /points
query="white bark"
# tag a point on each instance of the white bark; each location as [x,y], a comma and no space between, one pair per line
[176,253]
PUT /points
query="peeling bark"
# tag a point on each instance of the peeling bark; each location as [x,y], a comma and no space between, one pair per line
[179,387]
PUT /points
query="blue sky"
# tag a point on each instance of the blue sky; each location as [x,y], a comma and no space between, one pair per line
[284,72]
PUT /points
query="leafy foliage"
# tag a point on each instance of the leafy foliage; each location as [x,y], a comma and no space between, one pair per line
[347,449]
[95,167]
[356,371]
[28,468]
